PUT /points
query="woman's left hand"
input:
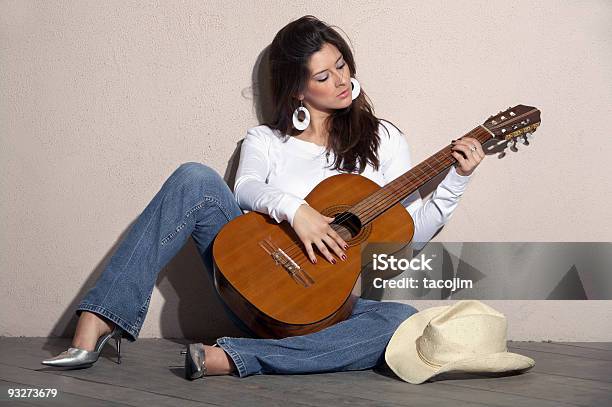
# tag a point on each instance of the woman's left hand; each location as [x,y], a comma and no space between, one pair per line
[471,157]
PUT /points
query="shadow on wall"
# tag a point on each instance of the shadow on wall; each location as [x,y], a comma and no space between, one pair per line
[191,308]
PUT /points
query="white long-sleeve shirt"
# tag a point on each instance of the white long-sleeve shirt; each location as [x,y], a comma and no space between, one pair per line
[276,172]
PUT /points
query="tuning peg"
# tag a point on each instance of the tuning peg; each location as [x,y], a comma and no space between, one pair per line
[522,140]
[530,136]
[512,144]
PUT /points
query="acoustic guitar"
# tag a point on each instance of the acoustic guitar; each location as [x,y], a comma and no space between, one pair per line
[261,268]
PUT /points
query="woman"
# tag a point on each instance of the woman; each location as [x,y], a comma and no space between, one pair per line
[318,107]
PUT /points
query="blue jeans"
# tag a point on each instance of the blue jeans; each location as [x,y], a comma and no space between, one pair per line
[195,201]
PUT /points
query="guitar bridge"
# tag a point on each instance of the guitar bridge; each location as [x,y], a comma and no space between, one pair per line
[281,258]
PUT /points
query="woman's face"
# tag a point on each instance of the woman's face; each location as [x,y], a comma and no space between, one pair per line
[329,84]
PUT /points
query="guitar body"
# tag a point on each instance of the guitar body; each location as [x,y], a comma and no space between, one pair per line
[265,295]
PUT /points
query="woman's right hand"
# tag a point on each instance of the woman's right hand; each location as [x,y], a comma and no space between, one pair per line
[313,228]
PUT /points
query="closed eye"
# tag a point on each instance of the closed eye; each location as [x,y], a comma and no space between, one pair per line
[324,79]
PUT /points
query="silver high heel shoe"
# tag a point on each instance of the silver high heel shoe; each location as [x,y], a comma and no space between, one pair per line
[79,358]
[195,361]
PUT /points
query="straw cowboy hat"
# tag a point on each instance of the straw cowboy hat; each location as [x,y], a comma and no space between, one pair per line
[468,336]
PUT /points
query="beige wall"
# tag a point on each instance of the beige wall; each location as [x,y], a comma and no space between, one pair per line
[101,101]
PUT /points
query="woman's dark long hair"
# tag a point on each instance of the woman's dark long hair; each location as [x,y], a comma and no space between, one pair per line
[353,131]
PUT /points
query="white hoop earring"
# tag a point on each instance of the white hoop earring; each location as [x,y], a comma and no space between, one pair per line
[356,88]
[301,125]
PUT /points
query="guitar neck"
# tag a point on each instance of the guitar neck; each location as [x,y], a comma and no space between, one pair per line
[395,191]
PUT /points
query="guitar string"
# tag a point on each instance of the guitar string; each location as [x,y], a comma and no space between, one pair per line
[393,190]
[444,161]
[383,198]
[390,192]
[475,132]
[297,253]
[483,132]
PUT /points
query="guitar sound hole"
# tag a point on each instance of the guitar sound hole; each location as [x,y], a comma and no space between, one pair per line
[347,224]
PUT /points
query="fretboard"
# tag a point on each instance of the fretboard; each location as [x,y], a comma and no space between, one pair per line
[395,191]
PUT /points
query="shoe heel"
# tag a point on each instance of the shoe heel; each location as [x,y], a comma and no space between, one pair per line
[116,333]
[118,343]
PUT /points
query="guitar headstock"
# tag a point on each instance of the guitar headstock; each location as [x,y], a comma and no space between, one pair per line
[514,125]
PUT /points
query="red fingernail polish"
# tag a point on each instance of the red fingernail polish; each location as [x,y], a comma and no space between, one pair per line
[333,261]
[344,257]
[346,246]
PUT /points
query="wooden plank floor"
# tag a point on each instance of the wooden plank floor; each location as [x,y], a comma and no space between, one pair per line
[151,374]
